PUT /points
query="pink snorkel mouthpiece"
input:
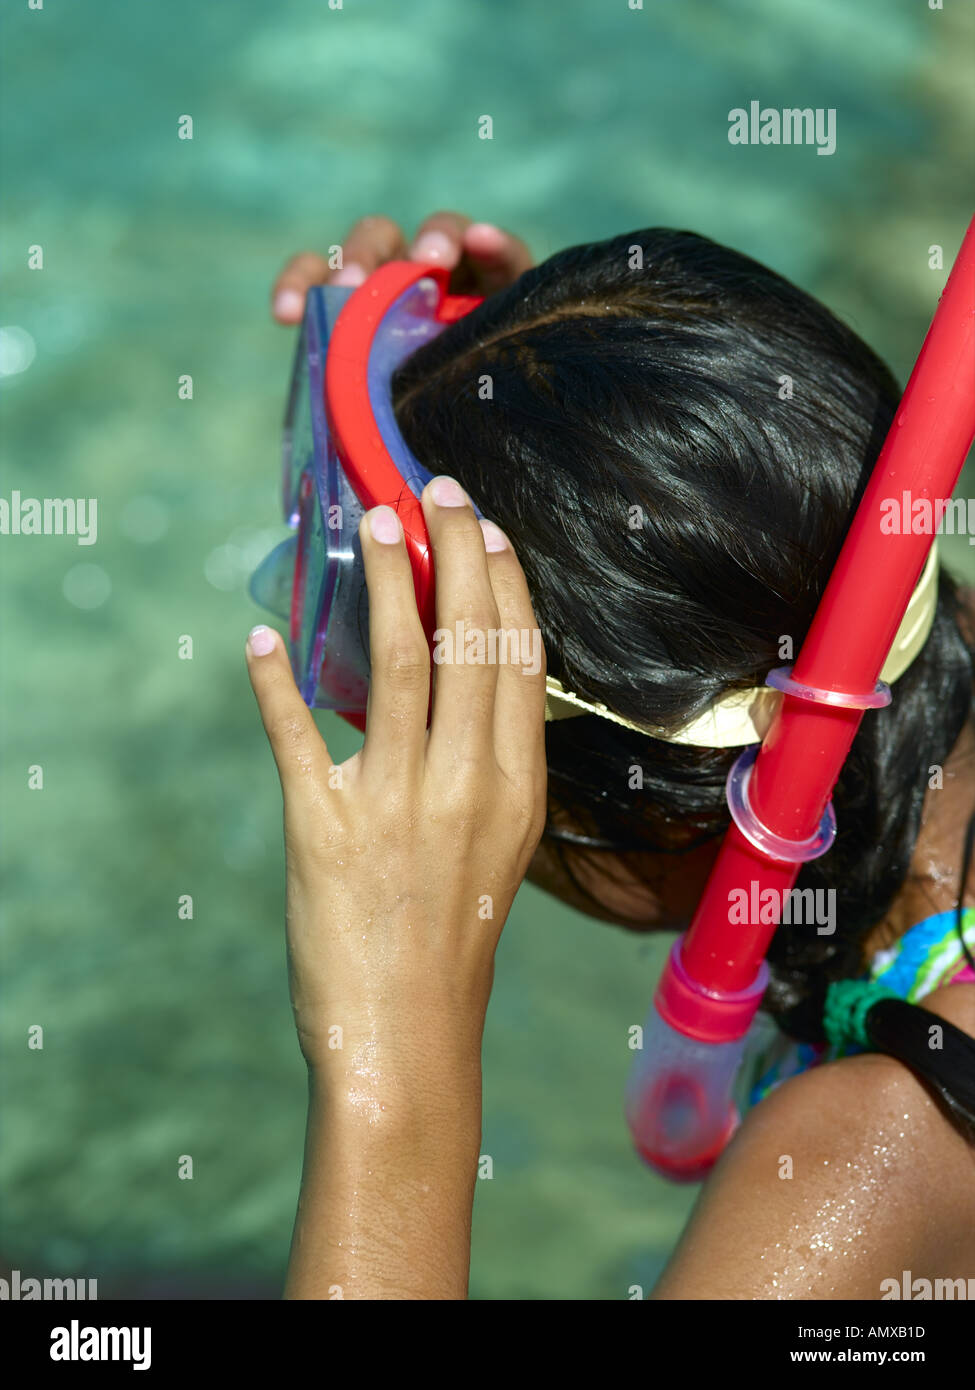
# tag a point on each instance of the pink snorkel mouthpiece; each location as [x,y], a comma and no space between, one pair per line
[681,1094]
[679,1103]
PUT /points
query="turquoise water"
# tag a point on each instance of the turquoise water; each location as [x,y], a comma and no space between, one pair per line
[166,1036]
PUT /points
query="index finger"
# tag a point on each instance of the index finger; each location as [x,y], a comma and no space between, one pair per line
[497,257]
[482,258]
[371,242]
[439,237]
[295,280]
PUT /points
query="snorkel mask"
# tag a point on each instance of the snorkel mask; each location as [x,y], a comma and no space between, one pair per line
[344,454]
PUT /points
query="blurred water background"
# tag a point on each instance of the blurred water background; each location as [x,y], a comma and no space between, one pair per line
[166,1036]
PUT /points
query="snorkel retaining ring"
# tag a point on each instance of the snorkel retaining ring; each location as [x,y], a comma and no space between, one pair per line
[758,834]
[736,787]
[781,678]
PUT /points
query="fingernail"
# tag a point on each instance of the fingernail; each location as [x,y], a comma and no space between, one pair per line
[352,273]
[289,304]
[436,247]
[447,493]
[261,640]
[384,525]
[494,537]
[490,239]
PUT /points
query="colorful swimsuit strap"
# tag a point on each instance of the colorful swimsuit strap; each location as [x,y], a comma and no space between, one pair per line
[928,956]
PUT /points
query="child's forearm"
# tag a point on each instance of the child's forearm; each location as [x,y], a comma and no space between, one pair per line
[386,1193]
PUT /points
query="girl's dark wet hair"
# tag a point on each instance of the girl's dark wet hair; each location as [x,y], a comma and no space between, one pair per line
[675,440]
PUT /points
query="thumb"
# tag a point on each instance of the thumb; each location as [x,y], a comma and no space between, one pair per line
[287,720]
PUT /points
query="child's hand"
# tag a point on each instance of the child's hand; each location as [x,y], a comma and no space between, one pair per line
[402,863]
[481,257]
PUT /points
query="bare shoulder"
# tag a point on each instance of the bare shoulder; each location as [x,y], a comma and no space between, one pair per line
[843,1177]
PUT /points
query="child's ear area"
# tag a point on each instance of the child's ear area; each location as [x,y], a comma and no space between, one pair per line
[639,891]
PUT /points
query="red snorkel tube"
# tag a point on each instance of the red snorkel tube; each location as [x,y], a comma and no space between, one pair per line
[679,1103]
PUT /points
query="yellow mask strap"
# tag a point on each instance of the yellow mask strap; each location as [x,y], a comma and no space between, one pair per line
[744,716]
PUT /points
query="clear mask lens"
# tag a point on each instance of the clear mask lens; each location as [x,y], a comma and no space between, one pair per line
[315,579]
